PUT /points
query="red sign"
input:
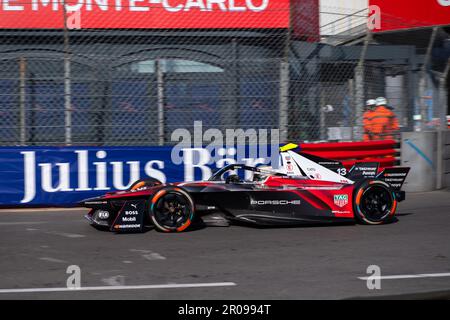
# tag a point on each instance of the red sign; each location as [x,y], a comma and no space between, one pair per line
[305,20]
[407,14]
[148,14]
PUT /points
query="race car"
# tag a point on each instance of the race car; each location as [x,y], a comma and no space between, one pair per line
[304,189]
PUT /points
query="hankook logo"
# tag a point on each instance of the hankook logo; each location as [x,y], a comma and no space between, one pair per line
[275,202]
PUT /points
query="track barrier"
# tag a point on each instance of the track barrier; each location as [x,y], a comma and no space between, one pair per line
[386,152]
[62,176]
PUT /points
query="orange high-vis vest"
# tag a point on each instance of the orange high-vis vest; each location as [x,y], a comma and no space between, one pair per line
[380,124]
[367,120]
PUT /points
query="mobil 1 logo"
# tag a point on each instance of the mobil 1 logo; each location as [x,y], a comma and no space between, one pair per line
[130,217]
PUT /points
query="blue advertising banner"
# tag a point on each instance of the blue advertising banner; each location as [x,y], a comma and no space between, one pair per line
[62,176]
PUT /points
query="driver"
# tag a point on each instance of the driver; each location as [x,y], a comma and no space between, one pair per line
[233,178]
[261,176]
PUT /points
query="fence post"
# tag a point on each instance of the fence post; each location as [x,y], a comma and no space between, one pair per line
[22,70]
[359,90]
[283,115]
[236,90]
[423,80]
[443,98]
[160,94]
[411,90]
[351,94]
[67,82]
[322,117]
[284,101]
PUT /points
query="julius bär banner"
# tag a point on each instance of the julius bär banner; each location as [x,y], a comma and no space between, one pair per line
[66,175]
[145,14]
[407,14]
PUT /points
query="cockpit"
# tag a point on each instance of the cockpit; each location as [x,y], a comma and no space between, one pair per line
[238,173]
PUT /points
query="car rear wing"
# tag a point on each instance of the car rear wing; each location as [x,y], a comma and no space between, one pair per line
[395,176]
[317,168]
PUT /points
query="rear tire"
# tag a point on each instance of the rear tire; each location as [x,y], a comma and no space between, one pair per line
[374,202]
[171,210]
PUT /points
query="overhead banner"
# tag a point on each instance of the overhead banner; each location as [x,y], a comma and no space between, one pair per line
[407,14]
[145,14]
[64,176]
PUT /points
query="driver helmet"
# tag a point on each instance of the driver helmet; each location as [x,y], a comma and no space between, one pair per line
[261,176]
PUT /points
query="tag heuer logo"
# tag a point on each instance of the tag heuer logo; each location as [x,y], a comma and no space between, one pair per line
[340,200]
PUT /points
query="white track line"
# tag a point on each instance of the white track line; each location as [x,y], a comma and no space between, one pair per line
[49,259]
[149,255]
[65,234]
[407,276]
[107,288]
[19,223]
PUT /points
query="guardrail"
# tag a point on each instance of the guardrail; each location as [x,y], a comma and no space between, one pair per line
[41,176]
[386,152]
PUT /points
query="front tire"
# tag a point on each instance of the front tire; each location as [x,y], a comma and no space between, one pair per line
[171,210]
[374,202]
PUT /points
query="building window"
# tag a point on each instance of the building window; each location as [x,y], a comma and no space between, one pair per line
[174,66]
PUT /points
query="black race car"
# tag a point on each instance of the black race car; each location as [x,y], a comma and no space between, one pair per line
[306,189]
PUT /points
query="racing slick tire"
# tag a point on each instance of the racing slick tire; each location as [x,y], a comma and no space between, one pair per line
[374,202]
[171,210]
[148,182]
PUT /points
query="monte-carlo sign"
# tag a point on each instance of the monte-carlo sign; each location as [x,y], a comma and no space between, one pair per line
[145,14]
[407,14]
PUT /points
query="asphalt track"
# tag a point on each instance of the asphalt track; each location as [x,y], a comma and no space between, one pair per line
[37,246]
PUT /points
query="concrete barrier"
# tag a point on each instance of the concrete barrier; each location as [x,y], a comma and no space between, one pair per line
[423,152]
[419,151]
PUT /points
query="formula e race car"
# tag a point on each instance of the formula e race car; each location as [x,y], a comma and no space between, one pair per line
[305,189]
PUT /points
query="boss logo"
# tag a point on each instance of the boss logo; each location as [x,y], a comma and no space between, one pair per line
[131,213]
[275,202]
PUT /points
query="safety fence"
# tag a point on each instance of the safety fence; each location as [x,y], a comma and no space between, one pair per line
[127,73]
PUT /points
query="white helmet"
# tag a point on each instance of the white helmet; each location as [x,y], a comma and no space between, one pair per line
[371,102]
[263,174]
[381,101]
